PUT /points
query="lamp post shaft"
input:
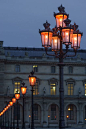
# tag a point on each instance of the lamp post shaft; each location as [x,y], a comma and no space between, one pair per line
[11,118]
[23,114]
[17,115]
[32,120]
[61,92]
[8,118]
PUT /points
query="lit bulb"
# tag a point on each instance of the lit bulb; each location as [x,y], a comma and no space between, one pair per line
[66,33]
[55,41]
[60,19]
[46,36]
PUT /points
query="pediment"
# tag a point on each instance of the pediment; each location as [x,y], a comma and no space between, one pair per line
[70,80]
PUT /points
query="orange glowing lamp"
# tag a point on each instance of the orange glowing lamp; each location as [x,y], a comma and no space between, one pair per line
[8,106]
[2,113]
[13,100]
[67,32]
[23,88]
[17,95]
[55,40]
[32,79]
[46,35]
[76,37]
[67,116]
[11,103]
[60,17]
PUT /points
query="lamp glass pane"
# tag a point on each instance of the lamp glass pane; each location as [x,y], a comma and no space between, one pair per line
[59,20]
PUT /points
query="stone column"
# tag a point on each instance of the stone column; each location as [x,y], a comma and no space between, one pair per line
[45,115]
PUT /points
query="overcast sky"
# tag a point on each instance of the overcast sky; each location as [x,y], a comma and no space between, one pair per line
[20,20]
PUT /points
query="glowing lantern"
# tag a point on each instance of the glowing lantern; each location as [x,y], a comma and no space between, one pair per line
[46,35]
[11,103]
[76,37]
[32,79]
[2,113]
[60,17]
[67,32]
[13,100]
[8,106]
[23,88]
[67,116]
[17,96]
[55,41]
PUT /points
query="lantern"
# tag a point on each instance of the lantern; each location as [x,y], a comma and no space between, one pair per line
[55,41]
[2,113]
[32,79]
[8,106]
[11,103]
[13,100]
[23,88]
[76,37]
[67,116]
[17,96]
[60,17]
[46,35]
[67,32]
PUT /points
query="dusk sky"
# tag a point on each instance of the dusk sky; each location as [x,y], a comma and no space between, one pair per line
[20,20]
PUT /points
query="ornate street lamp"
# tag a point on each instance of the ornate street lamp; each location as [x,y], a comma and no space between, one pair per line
[32,81]
[17,96]
[23,90]
[63,34]
[11,104]
[14,101]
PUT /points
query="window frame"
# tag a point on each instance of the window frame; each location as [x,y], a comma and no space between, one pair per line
[70,69]
[35,68]
[53,69]
[17,68]
[70,90]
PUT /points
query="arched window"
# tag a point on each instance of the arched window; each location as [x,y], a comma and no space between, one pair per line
[37,112]
[72,112]
[53,113]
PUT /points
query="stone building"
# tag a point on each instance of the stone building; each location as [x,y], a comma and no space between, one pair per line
[16,64]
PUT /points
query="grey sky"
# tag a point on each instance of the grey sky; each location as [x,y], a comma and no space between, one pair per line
[20,20]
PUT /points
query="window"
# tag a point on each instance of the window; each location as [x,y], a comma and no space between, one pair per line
[85,89]
[53,89]
[52,69]
[35,112]
[71,112]
[35,88]
[35,68]
[17,69]
[53,112]
[70,88]
[15,112]
[16,87]
[70,69]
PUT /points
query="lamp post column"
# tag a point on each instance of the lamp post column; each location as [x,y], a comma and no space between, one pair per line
[17,115]
[11,118]
[23,114]
[61,94]
[32,120]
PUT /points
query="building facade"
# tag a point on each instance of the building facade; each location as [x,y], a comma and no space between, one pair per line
[15,66]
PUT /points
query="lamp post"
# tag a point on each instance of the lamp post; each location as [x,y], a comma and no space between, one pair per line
[13,100]
[63,34]
[11,104]
[67,120]
[32,81]
[23,90]
[17,96]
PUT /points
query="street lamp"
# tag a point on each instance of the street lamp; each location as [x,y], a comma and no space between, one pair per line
[17,96]
[11,104]
[32,81]
[23,90]
[63,34]
[14,101]
[67,120]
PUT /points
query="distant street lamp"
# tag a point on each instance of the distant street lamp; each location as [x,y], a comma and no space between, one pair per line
[32,81]
[17,96]
[23,90]
[11,104]
[67,120]
[14,101]
[63,34]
